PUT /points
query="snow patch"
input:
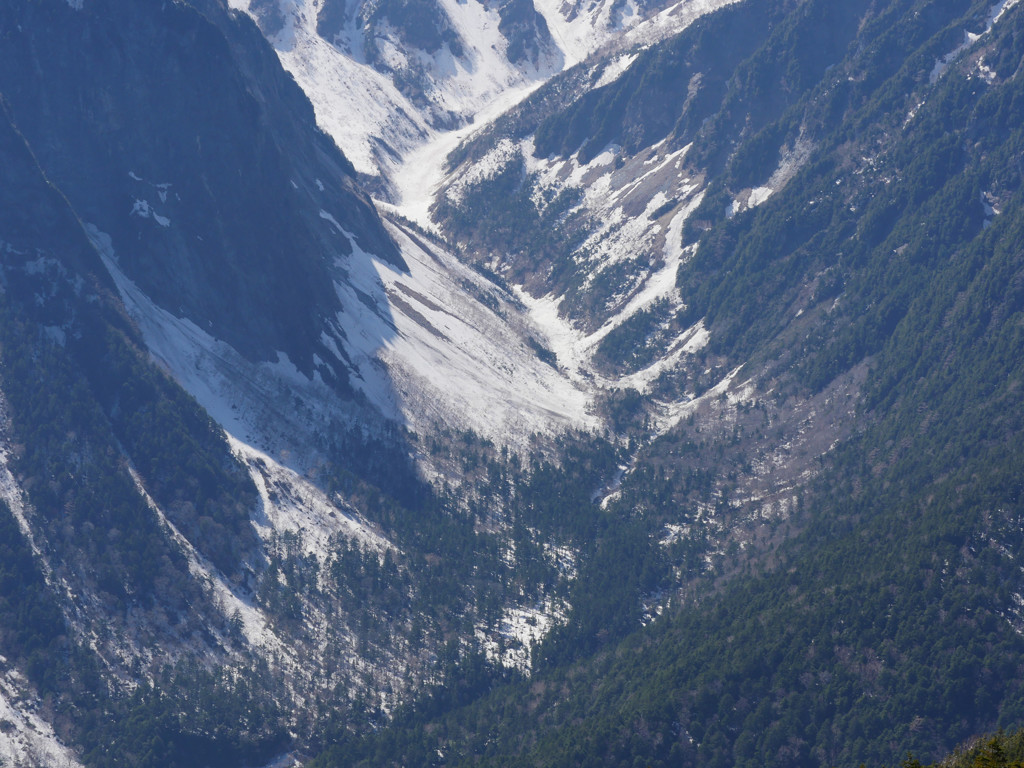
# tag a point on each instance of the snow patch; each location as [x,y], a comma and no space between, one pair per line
[578,34]
[519,630]
[988,205]
[912,114]
[487,167]
[988,202]
[759,194]
[615,69]
[653,182]
[987,73]
[669,21]
[338,230]
[941,65]
[654,179]
[383,133]
[291,503]
[144,210]
[998,10]
[995,15]
[361,109]
[791,161]
[25,738]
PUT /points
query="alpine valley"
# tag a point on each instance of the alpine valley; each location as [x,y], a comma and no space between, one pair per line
[511,382]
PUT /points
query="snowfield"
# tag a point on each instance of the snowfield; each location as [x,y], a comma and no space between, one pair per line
[460,353]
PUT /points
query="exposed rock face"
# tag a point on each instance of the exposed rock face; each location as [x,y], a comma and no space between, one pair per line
[526,31]
[165,127]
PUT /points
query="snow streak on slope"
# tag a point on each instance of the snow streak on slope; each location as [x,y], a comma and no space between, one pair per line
[12,494]
[255,625]
[995,14]
[622,200]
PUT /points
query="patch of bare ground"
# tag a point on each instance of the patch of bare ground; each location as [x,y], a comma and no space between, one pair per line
[739,465]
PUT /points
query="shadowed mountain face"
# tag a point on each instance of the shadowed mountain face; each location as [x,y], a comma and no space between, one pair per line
[185,142]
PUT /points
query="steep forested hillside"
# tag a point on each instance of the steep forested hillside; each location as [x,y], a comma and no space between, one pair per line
[718,337]
[883,615]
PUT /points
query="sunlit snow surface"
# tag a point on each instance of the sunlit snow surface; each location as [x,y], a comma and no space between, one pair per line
[459,352]
[363,110]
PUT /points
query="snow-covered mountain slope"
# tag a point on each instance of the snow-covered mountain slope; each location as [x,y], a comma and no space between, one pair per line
[383,77]
[434,346]
[464,355]
[388,78]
